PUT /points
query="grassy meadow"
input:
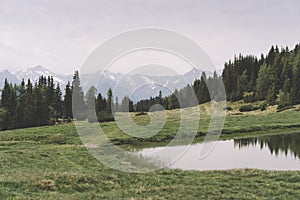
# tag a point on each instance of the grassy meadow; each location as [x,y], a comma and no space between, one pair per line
[50,162]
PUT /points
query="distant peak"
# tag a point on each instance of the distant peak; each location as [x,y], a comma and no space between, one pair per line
[194,70]
[6,71]
[38,67]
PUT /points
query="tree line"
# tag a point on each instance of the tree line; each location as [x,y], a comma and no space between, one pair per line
[274,78]
[202,90]
[42,103]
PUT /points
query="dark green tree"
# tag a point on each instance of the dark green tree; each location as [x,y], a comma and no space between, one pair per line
[126,105]
[67,102]
[78,104]
[109,102]
[90,98]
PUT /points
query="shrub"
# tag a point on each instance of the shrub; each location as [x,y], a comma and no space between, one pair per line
[227,108]
[249,97]
[247,108]
[92,118]
[280,109]
[263,106]
[80,116]
[140,113]
[46,185]
[69,120]
[57,139]
[105,116]
[51,121]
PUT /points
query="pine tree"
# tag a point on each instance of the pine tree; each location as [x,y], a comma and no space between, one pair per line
[295,85]
[90,102]
[40,101]
[160,99]
[100,104]
[117,106]
[106,114]
[204,92]
[29,109]
[126,105]
[173,101]
[21,104]
[79,111]
[67,103]
[5,95]
[5,106]
[109,102]
[271,95]
[57,104]
[262,83]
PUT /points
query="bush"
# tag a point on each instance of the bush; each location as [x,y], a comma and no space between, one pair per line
[263,106]
[249,97]
[140,113]
[92,119]
[105,116]
[227,108]
[46,185]
[280,109]
[57,139]
[67,120]
[80,116]
[247,108]
[51,122]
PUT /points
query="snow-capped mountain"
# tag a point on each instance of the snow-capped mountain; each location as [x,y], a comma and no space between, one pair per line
[5,74]
[35,72]
[137,86]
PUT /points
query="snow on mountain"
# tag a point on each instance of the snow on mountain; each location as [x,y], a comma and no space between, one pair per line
[137,86]
[5,74]
[35,72]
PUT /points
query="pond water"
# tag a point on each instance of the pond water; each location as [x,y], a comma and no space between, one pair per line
[278,152]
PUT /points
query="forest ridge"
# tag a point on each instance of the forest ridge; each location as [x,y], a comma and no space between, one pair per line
[273,78]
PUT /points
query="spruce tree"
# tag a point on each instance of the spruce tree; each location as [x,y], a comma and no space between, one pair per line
[67,102]
[21,104]
[90,98]
[57,104]
[78,104]
[100,104]
[109,102]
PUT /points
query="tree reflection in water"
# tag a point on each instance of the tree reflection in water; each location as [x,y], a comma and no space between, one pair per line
[276,144]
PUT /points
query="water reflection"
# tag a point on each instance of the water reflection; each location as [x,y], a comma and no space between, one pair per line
[287,144]
[278,152]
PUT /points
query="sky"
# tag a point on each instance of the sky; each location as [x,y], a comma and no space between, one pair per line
[61,34]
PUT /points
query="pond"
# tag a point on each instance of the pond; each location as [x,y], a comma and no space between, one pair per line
[277,152]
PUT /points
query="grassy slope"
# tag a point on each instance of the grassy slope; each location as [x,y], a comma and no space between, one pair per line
[49,162]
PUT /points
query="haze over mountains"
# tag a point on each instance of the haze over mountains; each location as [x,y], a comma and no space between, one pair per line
[137,86]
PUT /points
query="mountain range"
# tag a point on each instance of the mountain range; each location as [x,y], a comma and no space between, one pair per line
[137,86]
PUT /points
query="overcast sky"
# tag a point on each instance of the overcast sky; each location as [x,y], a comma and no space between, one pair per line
[61,34]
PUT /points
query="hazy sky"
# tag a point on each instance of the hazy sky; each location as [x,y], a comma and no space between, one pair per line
[61,34]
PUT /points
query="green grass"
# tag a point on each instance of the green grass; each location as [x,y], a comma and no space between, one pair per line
[249,124]
[53,171]
[50,163]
